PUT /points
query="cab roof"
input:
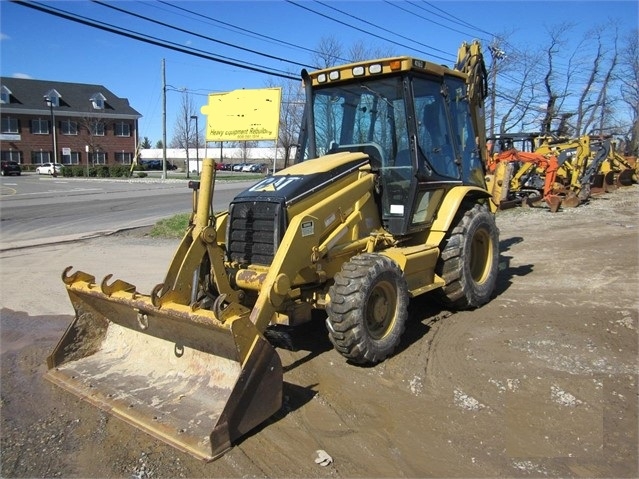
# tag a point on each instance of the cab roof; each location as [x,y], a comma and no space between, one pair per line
[380,67]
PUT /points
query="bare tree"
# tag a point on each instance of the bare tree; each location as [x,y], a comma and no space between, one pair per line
[290,117]
[328,53]
[567,92]
[592,101]
[184,135]
[96,128]
[516,100]
[602,101]
[360,51]
[629,89]
[246,146]
[554,91]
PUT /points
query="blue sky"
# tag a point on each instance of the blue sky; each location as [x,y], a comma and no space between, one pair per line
[41,46]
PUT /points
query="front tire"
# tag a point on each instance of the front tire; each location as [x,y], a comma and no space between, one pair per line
[469,259]
[368,308]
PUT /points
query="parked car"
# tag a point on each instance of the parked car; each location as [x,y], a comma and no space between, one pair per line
[258,168]
[49,168]
[157,165]
[238,167]
[10,168]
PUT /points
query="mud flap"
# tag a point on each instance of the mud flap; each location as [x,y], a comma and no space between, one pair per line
[182,376]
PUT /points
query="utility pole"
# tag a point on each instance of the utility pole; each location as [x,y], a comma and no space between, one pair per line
[163,120]
[49,102]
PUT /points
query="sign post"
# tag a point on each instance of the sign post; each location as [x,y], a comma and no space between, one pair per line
[86,148]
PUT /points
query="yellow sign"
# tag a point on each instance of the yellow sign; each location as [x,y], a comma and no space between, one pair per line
[242,115]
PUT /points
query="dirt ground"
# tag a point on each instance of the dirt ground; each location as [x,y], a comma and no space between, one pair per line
[540,382]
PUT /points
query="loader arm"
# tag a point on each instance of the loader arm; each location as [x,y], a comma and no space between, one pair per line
[300,248]
[181,282]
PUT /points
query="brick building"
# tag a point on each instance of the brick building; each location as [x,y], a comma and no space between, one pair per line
[80,122]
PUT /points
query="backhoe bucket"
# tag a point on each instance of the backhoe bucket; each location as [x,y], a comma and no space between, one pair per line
[553,202]
[625,177]
[610,183]
[180,374]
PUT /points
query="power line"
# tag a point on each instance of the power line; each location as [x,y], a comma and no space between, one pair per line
[455,19]
[153,40]
[183,30]
[244,30]
[361,30]
[380,28]
[396,5]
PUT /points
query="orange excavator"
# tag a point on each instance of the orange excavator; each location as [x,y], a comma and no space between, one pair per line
[524,178]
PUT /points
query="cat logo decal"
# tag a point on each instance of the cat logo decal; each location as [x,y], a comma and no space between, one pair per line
[274,183]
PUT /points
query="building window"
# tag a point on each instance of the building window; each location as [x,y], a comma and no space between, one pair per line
[98,158]
[69,127]
[40,157]
[123,158]
[5,95]
[54,97]
[122,129]
[11,155]
[96,128]
[40,126]
[72,159]
[9,125]
[97,101]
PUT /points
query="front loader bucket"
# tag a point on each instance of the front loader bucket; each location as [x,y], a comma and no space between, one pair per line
[181,375]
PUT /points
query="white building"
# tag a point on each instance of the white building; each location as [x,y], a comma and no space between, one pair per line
[273,157]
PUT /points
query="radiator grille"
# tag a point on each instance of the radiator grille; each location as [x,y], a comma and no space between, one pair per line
[254,232]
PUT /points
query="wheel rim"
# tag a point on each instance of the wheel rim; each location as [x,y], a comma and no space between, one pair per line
[480,254]
[380,309]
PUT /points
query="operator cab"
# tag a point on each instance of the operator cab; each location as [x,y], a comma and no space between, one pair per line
[414,124]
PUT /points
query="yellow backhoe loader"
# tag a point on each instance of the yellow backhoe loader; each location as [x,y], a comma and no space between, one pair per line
[617,170]
[386,201]
[579,162]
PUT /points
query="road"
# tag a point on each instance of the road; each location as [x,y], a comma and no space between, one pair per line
[36,210]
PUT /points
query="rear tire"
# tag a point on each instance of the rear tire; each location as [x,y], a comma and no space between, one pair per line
[469,259]
[368,308]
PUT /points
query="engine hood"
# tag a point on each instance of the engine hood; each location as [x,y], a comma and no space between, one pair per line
[295,182]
